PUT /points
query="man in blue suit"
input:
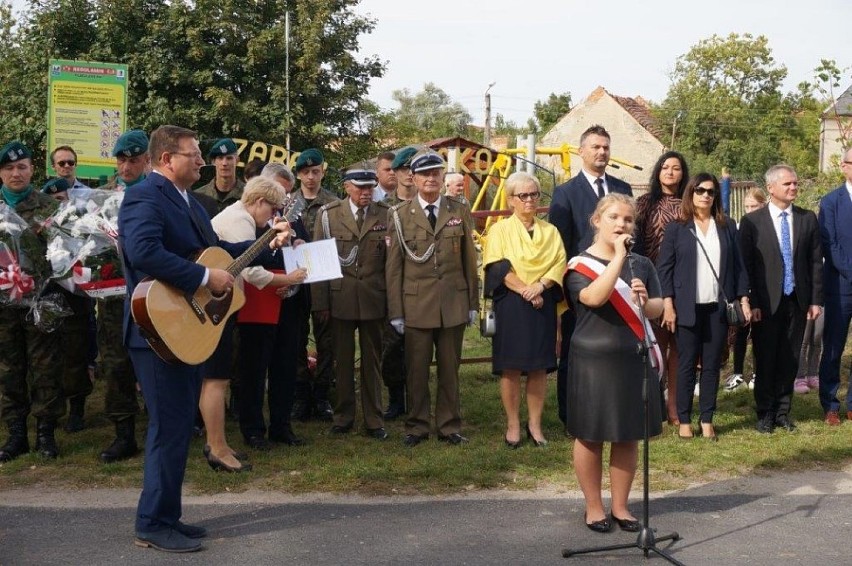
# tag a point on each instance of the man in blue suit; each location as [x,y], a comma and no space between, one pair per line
[161,229]
[835,210]
[570,209]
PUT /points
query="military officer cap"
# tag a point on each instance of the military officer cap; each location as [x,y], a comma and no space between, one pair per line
[14,151]
[130,144]
[308,158]
[403,158]
[224,146]
[361,177]
[425,160]
[58,185]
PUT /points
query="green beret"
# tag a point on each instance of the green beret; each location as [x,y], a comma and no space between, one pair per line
[403,158]
[58,185]
[14,151]
[130,144]
[308,158]
[224,146]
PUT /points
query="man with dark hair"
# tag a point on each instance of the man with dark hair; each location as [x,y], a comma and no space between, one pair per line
[64,162]
[386,176]
[226,188]
[783,256]
[253,168]
[570,209]
[160,229]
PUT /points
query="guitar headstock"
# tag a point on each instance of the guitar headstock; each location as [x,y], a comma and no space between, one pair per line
[293,207]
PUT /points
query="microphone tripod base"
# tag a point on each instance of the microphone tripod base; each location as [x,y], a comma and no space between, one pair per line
[646,541]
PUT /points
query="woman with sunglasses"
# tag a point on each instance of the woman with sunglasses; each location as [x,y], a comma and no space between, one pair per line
[699,262]
[524,261]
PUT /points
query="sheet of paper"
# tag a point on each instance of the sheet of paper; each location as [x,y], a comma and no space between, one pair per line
[319,258]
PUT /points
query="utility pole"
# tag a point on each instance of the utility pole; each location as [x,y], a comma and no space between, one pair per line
[677,117]
[487,138]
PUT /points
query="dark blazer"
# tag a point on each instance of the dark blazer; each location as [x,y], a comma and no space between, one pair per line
[762,256]
[571,207]
[835,224]
[159,238]
[678,262]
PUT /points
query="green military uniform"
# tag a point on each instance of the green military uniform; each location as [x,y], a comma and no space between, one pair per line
[223,200]
[30,360]
[432,285]
[355,302]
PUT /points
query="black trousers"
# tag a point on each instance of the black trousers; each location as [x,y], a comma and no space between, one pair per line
[777,343]
[704,340]
[283,364]
[255,351]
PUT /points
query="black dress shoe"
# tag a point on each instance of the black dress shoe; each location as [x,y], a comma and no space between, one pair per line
[219,466]
[288,437]
[241,456]
[766,425]
[602,526]
[512,445]
[340,429]
[784,422]
[537,443]
[377,433]
[629,525]
[191,531]
[454,439]
[167,540]
[301,410]
[257,443]
[394,411]
[323,411]
[412,440]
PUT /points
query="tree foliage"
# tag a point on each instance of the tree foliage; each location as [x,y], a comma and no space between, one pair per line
[428,114]
[727,108]
[216,66]
[548,111]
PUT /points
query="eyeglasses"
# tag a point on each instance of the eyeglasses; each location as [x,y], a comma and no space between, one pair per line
[702,191]
[193,154]
[524,197]
[66,163]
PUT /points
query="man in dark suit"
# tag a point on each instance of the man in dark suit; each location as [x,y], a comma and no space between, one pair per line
[570,209]
[783,257]
[160,229]
[835,210]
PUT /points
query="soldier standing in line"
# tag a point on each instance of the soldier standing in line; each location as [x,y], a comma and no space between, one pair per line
[312,391]
[225,187]
[31,368]
[393,343]
[432,293]
[358,300]
[120,405]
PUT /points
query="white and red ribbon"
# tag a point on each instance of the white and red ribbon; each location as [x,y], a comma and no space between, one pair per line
[15,281]
[622,301]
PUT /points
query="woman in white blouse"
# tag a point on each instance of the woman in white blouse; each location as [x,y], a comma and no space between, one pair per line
[702,242]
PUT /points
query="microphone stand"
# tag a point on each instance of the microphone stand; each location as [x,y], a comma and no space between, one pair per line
[647,539]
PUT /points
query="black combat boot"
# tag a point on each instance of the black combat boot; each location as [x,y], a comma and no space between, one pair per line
[76,408]
[396,402]
[45,439]
[18,443]
[124,446]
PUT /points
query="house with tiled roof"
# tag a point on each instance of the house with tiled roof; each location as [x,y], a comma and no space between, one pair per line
[636,136]
[835,126]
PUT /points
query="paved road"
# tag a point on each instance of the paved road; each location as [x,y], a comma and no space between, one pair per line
[758,520]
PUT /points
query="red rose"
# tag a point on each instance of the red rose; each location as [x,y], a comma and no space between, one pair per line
[107,271]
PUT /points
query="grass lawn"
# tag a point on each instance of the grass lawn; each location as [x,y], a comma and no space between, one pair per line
[356,464]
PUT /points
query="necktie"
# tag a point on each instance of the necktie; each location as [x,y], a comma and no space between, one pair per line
[787,254]
[359,218]
[430,209]
[599,183]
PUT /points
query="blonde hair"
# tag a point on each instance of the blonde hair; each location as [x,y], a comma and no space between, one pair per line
[608,201]
[262,188]
[757,194]
[519,179]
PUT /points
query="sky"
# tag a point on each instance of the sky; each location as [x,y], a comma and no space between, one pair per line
[530,49]
[630,47]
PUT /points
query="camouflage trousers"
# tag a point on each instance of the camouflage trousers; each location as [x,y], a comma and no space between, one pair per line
[75,347]
[315,386]
[30,369]
[115,368]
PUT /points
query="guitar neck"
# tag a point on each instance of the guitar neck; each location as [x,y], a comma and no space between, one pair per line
[251,253]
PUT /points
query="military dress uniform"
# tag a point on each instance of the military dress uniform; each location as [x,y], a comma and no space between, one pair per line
[432,285]
[355,302]
[30,360]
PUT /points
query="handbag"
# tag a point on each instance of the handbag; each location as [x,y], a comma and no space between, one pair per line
[733,309]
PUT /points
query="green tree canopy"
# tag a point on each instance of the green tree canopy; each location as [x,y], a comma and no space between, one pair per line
[548,111]
[214,66]
[425,115]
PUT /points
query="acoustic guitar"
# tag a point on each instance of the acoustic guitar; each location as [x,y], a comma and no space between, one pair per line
[184,327]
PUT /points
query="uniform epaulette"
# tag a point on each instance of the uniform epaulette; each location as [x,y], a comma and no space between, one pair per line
[330,205]
[399,205]
[383,203]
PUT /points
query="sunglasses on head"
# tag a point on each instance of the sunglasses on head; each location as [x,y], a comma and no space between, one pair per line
[702,191]
[524,197]
[67,163]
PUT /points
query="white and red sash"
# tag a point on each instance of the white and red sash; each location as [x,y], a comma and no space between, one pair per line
[622,302]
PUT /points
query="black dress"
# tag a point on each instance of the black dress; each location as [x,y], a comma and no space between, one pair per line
[605,372]
[526,337]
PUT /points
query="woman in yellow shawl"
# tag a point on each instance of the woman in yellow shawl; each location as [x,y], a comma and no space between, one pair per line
[524,262]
